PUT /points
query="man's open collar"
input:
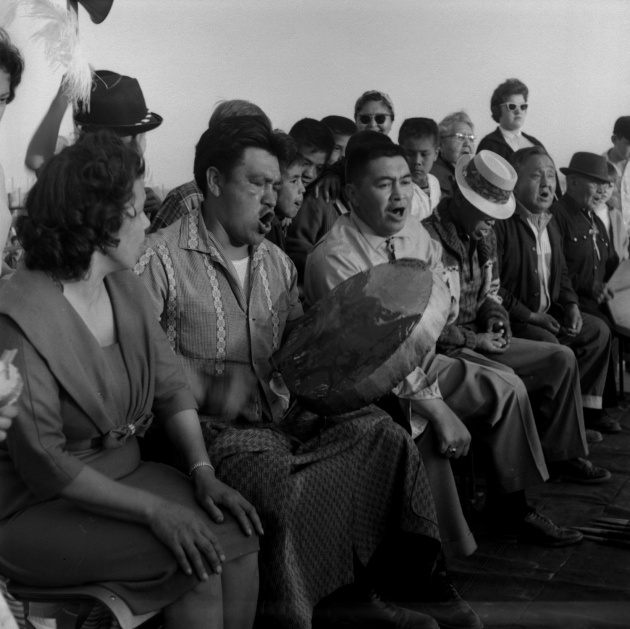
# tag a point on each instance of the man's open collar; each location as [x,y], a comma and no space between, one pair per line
[195,236]
[372,238]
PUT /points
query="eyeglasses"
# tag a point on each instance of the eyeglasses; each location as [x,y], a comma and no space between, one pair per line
[461,137]
[515,106]
[378,118]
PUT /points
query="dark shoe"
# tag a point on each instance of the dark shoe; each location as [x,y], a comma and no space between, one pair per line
[579,471]
[593,436]
[604,423]
[446,605]
[358,609]
[536,528]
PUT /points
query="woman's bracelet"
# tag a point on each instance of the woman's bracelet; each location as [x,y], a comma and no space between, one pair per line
[194,466]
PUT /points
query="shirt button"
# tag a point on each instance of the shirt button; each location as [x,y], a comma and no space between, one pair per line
[533,248]
[536,271]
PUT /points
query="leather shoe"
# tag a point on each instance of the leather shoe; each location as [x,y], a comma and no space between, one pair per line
[593,436]
[357,608]
[603,423]
[444,603]
[579,471]
[536,528]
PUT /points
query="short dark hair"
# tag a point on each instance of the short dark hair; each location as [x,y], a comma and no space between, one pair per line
[419,128]
[366,152]
[222,145]
[289,153]
[11,62]
[236,107]
[77,204]
[340,125]
[511,87]
[522,156]
[311,133]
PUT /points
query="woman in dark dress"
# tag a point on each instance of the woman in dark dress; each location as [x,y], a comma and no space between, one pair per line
[77,504]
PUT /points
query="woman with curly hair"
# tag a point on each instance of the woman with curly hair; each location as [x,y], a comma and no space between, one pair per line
[77,503]
[11,68]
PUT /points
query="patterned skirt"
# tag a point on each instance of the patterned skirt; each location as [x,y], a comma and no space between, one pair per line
[327,489]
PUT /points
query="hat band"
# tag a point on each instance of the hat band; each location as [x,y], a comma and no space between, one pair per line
[481,186]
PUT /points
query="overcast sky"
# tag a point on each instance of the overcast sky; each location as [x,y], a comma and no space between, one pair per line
[298,58]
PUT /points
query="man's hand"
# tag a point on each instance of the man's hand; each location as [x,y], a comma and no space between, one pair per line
[602,293]
[453,438]
[497,324]
[491,342]
[7,414]
[329,186]
[545,321]
[572,320]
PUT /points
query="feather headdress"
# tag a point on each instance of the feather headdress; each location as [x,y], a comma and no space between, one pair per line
[59,34]
[8,11]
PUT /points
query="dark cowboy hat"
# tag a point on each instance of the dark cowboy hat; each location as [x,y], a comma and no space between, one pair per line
[589,165]
[117,103]
[97,9]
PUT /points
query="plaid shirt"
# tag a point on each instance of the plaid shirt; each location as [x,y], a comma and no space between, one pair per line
[221,335]
[177,203]
[478,276]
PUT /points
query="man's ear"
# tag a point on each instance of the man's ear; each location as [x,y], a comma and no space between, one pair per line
[613,139]
[351,194]
[214,181]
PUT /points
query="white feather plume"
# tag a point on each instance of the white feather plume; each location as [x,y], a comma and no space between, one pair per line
[59,34]
[8,11]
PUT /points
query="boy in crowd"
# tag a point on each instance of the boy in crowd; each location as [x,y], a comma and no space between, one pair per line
[315,144]
[618,156]
[419,138]
[291,189]
[342,128]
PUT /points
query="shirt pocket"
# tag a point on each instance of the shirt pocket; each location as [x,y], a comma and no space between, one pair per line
[202,332]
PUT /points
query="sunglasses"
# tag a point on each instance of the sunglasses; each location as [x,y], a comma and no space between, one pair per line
[515,106]
[378,118]
[462,137]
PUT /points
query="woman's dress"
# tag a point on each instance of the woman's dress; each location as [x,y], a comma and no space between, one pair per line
[87,405]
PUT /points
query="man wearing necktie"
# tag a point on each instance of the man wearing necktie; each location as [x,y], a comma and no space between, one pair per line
[448,395]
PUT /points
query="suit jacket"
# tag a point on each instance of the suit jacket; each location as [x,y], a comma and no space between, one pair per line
[68,412]
[518,263]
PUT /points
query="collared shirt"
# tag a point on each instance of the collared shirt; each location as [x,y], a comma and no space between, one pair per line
[620,198]
[515,139]
[177,203]
[223,335]
[351,247]
[538,224]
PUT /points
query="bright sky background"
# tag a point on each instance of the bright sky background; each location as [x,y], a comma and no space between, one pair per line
[298,58]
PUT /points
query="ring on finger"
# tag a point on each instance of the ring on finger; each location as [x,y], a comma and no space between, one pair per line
[452,450]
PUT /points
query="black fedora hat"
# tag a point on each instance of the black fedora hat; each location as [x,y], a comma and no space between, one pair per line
[589,165]
[98,10]
[117,103]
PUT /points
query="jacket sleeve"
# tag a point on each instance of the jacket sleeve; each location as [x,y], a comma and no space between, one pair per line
[304,232]
[36,441]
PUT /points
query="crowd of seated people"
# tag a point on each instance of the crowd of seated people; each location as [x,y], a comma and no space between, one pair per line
[154,420]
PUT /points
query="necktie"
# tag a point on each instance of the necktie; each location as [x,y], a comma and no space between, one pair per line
[391,251]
